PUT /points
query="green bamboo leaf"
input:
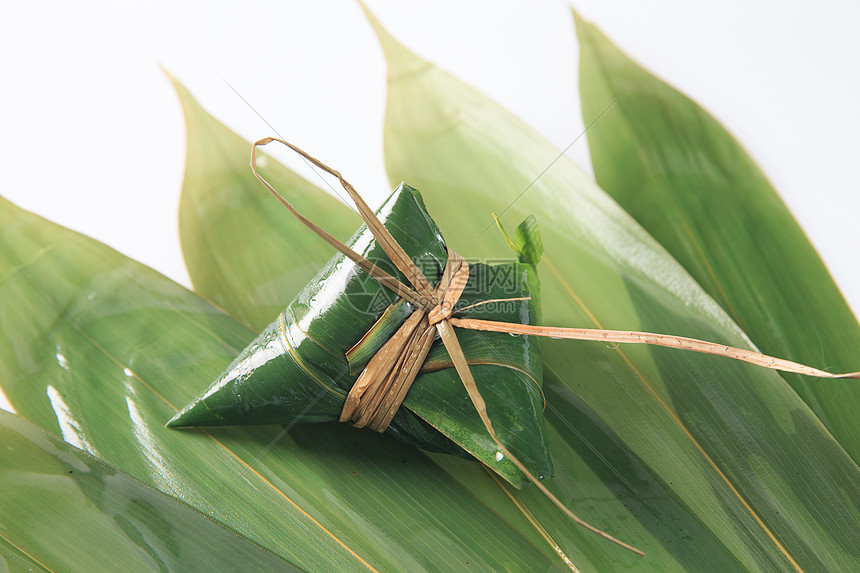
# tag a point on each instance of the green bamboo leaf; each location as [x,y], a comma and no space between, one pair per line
[221,201]
[696,190]
[720,465]
[65,510]
[102,350]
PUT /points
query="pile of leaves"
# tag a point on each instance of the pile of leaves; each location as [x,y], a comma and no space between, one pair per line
[703,463]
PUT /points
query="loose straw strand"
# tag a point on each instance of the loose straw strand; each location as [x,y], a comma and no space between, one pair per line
[491,301]
[666,340]
[391,247]
[384,278]
[452,345]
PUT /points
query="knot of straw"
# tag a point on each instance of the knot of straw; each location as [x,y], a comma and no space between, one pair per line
[382,386]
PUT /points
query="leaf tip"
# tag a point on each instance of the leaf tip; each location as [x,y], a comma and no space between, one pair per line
[577,17]
[529,242]
[398,57]
[166,72]
[586,32]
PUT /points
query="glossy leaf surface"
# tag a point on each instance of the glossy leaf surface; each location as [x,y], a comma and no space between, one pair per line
[102,350]
[684,177]
[65,510]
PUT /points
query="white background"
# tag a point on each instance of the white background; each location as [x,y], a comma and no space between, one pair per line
[92,135]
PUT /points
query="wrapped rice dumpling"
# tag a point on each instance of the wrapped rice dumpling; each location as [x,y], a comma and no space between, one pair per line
[302,366]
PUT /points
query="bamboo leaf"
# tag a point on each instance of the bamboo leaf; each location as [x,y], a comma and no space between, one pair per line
[709,447]
[102,350]
[221,200]
[696,190]
[65,510]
